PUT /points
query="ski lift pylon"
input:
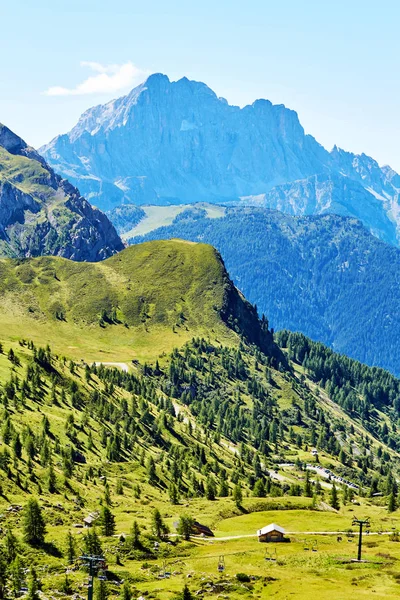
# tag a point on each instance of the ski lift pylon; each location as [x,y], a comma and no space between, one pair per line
[221,564]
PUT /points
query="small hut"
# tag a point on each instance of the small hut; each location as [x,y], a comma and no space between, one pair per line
[272,533]
[200,529]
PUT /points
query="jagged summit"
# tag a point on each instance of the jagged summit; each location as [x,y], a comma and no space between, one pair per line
[174,142]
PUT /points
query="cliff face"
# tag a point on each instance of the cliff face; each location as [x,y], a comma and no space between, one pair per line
[177,142]
[41,213]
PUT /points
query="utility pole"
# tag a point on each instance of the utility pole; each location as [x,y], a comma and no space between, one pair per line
[94,563]
[360,523]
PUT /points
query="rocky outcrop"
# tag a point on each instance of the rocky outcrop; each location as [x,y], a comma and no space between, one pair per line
[41,213]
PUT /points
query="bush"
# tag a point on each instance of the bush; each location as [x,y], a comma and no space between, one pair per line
[243,578]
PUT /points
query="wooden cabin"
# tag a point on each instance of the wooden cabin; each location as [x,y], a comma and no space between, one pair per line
[272,533]
[199,529]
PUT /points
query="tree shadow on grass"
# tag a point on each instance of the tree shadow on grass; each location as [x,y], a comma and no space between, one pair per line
[51,548]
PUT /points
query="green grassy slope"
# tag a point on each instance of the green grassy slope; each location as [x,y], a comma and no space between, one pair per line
[182,427]
[100,429]
[137,304]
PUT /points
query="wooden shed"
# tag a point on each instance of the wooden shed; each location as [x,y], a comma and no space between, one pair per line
[272,533]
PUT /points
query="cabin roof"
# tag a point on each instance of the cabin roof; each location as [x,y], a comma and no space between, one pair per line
[270,528]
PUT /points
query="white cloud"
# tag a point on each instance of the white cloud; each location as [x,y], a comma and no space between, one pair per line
[108,79]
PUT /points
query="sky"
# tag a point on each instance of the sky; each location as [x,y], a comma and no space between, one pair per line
[335,62]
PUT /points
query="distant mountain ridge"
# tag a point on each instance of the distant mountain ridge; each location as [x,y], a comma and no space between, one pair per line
[41,213]
[177,142]
[325,276]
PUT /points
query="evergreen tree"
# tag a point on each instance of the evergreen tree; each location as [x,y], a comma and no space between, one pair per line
[107,522]
[119,489]
[3,573]
[11,546]
[66,586]
[51,479]
[33,586]
[211,492]
[173,493]
[151,470]
[334,499]
[101,590]
[92,544]
[238,495]
[307,490]
[16,576]
[34,525]
[185,526]
[392,503]
[126,592]
[70,548]
[223,491]
[186,593]
[135,535]
[159,528]
[259,489]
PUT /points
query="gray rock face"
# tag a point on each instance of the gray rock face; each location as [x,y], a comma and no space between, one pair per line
[177,142]
[40,213]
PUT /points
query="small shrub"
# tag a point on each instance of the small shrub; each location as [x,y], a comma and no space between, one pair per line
[243,578]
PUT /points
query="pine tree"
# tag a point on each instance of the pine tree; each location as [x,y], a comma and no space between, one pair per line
[119,489]
[51,479]
[334,498]
[107,495]
[186,593]
[151,470]
[101,591]
[16,576]
[107,522]
[392,503]
[185,526]
[135,535]
[3,573]
[211,492]
[223,491]
[126,592]
[11,546]
[173,494]
[238,495]
[92,544]
[259,489]
[66,586]
[33,586]
[70,548]
[34,525]
[307,490]
[159,528]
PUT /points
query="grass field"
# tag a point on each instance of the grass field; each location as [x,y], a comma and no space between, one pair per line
[154,297]
[306,566]
[162,216]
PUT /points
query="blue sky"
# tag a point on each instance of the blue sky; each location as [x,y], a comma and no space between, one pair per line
[335,62]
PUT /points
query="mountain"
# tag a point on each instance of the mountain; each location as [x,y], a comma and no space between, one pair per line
[41,213]
[177,142]
[325,276]
[157,294]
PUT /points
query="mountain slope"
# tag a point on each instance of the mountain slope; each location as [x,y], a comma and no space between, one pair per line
[40,213]
[143,300]
[225,428]
[177,142]
[325,276]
